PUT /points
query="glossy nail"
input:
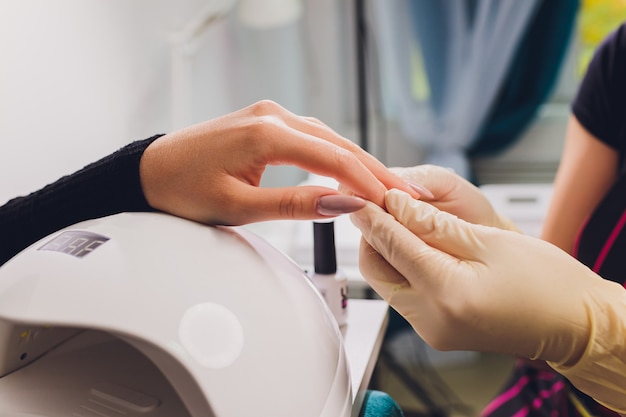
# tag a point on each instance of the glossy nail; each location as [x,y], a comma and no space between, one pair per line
[334,205]
[423,191]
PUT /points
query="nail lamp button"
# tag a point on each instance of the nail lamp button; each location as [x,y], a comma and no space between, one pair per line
[212,335]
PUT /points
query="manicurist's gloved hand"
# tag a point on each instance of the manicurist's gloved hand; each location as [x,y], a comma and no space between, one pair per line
[472,287]
[454,194]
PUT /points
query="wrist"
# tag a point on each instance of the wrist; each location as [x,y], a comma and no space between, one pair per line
[152,175]
[601,370]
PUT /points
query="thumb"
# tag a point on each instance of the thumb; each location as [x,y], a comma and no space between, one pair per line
[297,203]
[398,257]
[439,229]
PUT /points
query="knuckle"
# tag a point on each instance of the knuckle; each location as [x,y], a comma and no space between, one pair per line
[344,159]
[265,107]
[314,120]
[263,127]
[291,206]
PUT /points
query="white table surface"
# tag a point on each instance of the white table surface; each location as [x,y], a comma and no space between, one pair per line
[363,337]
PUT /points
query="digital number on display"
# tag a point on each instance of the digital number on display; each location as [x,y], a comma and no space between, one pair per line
[75,243]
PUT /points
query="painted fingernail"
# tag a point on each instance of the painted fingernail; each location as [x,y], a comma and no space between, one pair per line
[423,191]
[334,205]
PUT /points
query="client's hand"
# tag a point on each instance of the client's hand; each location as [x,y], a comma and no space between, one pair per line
[211,172]
[472,287]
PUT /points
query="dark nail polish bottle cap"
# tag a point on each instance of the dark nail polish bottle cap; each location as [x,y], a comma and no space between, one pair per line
[324,255]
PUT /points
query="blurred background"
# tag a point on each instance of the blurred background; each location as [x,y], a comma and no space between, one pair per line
[480,86]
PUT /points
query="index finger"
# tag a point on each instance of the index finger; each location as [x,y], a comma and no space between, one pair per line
[339,161]
[316,128]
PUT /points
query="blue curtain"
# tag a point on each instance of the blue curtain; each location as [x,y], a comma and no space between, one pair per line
[487,66]
[530,78]
[463,50]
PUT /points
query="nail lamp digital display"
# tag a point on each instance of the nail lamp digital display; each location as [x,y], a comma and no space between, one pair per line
[146,314]
[75,242]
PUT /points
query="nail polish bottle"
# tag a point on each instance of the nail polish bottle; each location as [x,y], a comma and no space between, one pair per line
[329,280]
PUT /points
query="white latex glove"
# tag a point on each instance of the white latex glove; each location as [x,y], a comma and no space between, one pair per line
[454,194]
[472,287]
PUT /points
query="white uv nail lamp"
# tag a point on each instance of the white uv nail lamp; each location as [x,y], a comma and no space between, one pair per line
[146,314]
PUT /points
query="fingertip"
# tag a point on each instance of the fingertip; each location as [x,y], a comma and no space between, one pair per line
[413,189]
[422,191]
[406,209]
[394,195]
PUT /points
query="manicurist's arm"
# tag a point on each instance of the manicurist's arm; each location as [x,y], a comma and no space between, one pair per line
[465,286]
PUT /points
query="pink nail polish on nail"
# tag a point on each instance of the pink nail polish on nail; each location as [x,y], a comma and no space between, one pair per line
[423,191]
[334,205]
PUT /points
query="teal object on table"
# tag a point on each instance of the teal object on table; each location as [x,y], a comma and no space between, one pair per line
[379,404]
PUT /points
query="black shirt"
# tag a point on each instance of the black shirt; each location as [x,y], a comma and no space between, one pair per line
[600,106]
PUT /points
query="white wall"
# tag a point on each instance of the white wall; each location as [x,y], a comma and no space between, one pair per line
[81,78]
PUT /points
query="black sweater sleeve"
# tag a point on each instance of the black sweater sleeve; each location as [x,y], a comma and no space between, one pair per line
[108,186]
